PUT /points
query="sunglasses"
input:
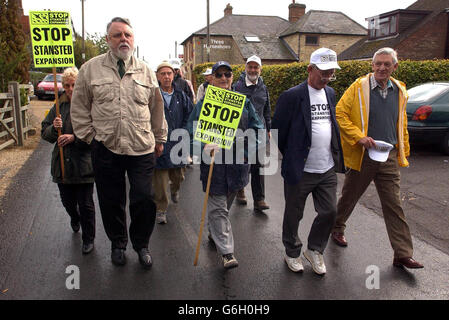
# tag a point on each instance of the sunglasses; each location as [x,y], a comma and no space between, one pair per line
[227,74]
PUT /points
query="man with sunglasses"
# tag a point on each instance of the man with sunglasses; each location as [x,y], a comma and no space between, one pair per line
[228,176]
[309,140]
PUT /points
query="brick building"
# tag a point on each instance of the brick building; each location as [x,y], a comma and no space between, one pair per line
[420,32]
[23,19]
[234,38]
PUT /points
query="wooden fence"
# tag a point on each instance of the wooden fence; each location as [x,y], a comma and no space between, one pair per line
[14,118]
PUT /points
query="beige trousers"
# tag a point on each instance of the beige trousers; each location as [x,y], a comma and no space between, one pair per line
[161,179]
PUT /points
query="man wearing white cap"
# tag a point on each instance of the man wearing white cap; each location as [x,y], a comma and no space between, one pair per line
[202,88]
[372,116]
[251,84]
[179,80]
[309,140]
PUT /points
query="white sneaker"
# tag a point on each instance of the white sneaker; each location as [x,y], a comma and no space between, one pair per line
[161,217]
[294,264]
[316,260]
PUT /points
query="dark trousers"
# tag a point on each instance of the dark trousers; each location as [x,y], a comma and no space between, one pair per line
[257,182]
[323,188]
[110,170]
[79,204]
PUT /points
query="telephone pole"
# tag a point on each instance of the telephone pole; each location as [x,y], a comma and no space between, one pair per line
[208,34]
[83,54]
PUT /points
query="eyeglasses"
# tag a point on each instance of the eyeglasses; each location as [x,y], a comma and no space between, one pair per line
[227,74]
[327,74]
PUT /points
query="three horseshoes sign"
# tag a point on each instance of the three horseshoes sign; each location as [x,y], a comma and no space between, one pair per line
[51,37]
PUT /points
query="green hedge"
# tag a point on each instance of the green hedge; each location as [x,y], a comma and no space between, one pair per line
[279,78]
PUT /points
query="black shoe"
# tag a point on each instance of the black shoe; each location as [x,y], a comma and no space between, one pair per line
[229,261]
[118,257]
[145,258]
[75,226]
[88,247]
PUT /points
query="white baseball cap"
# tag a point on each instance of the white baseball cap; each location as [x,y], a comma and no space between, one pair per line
[255,59]
[207,72]
[175,63]
[324,59]
[381,151]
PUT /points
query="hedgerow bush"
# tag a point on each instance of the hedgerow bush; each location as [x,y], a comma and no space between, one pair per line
[279,78]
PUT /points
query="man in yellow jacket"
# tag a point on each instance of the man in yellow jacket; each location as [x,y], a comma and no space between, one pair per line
[371,113]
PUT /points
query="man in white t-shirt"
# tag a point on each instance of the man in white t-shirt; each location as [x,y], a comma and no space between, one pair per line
[309,140]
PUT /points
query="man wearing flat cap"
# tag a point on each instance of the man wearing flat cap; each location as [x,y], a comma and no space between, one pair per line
[309,140]
[169,175]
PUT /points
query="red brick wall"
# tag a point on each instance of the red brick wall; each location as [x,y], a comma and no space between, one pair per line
[429,42]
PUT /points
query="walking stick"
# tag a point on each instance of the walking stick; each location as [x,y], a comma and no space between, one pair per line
[61,150]
[206,197]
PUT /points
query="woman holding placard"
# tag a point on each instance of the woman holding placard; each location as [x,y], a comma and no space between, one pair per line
[77,183]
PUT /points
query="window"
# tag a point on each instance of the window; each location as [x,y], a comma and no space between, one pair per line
[393,26]
[252,39]
[426,92]
[372,28]
[382,27]
[311,40]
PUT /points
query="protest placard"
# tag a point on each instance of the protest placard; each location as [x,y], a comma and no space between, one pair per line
[51,38]
[219,117]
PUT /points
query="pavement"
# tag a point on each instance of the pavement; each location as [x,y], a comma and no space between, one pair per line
[39,252]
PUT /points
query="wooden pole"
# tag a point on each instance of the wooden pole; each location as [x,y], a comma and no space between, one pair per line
[61,150]
[206,197]
[208,34]
[17,105]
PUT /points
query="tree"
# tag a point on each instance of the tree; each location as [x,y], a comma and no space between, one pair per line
[14,56]
[99,41]
[94,45]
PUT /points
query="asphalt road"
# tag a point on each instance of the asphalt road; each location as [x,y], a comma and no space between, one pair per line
[37,246]
[425,195]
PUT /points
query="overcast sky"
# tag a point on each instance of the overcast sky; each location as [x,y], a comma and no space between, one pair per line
[158,24]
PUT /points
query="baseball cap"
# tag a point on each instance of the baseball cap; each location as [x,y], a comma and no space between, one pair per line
[176,63]
[324,59]
[207,72]
[255,59]
[221,64]
[165,64]
[381,151]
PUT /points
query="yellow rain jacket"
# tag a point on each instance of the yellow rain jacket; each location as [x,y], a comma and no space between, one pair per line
[352,113]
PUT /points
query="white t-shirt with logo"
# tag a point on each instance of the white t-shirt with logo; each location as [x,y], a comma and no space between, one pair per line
[320,156]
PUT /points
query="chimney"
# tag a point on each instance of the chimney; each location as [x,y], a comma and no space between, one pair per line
[228,10]
[296,11]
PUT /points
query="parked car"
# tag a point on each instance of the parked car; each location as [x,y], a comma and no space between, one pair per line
[46,87]
[428,114]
